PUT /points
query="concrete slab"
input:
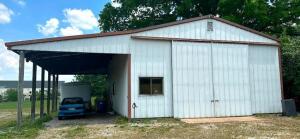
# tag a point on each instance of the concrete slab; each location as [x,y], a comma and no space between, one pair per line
[220,120]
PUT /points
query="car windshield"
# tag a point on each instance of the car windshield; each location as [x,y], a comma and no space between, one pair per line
[72,101]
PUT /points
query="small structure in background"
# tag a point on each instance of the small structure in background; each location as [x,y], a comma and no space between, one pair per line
[77,89]
[6,85]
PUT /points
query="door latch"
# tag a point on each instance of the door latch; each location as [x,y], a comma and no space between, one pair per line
[214,100]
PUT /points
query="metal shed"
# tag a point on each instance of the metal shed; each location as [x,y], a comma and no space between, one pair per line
[199,67]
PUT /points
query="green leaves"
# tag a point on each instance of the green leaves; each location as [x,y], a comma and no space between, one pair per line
[271,17]
[291,65]
[98,83]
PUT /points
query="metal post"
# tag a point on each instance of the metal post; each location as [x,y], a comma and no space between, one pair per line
[33,95]
[53,93]
[42,93]
[56,93]
[20,88]
[48,93]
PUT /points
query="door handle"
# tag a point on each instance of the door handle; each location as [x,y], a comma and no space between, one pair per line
[215,100]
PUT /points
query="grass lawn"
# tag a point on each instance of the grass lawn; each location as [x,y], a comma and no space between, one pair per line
[269,126]
[12,106]
[8,112]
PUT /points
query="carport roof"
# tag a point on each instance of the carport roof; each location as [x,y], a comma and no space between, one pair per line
[70,62]
[104,34]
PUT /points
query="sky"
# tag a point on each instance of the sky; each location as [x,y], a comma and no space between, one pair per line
[33,19]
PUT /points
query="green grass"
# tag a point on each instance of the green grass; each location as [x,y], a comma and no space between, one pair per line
[8,129]
[12,106]
[27,130]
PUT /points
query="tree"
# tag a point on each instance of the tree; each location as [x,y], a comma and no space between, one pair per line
[269,16]
[291,65]
[98,83]
[12,94]
[134,14]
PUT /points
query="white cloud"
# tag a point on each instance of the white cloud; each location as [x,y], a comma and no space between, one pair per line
[49,28]
[81,19]
[20,2]
[5,14]
[68,31]
[8,59]
[9,63]
[115,4]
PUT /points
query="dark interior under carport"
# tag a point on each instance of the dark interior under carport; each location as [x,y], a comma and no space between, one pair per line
[70,63]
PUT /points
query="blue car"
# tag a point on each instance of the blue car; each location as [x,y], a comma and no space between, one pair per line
[71,107]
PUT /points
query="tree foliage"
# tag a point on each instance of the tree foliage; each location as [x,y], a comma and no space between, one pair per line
[134,14]
[98,83]
[11,95]
[269,16]
[291,65]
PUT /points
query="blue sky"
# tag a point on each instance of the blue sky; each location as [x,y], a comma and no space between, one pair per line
[31,19]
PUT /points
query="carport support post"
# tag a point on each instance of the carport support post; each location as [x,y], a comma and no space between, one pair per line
[33,95]
[42,93]
[56,92]
[53,92]
[48,93]
[20,88]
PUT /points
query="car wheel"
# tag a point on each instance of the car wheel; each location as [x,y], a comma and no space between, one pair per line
[60,118]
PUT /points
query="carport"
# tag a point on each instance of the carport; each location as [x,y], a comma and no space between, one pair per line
[74,59]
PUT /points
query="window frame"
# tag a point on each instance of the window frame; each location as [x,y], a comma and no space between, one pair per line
[151,94]
[210,26]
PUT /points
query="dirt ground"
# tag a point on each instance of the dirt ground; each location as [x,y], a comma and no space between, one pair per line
[268,126]
[220,120]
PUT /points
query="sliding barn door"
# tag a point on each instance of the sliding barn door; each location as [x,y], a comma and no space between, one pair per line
[231,80]
[210,80]
[192,80]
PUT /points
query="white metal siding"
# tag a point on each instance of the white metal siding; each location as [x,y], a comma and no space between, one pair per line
[151,59]
[202,74]
[264,79]
[119,76]
[198,30]
[192,80]
[109,44]
[231,80]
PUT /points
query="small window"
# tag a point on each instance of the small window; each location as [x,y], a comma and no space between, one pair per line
[210,26]
[151,85]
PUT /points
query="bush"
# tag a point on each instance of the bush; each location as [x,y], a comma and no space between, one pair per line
[12,95]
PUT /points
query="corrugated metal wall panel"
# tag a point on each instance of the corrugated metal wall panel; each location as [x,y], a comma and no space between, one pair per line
[265,79]
[231,80]
[151,59]
[110,44]
[203,72]
[198,30]
[118,76]
[192,81]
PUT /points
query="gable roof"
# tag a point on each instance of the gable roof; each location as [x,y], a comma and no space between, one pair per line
[104,34]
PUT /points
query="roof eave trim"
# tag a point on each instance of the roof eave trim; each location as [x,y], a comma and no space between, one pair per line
[204,40]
